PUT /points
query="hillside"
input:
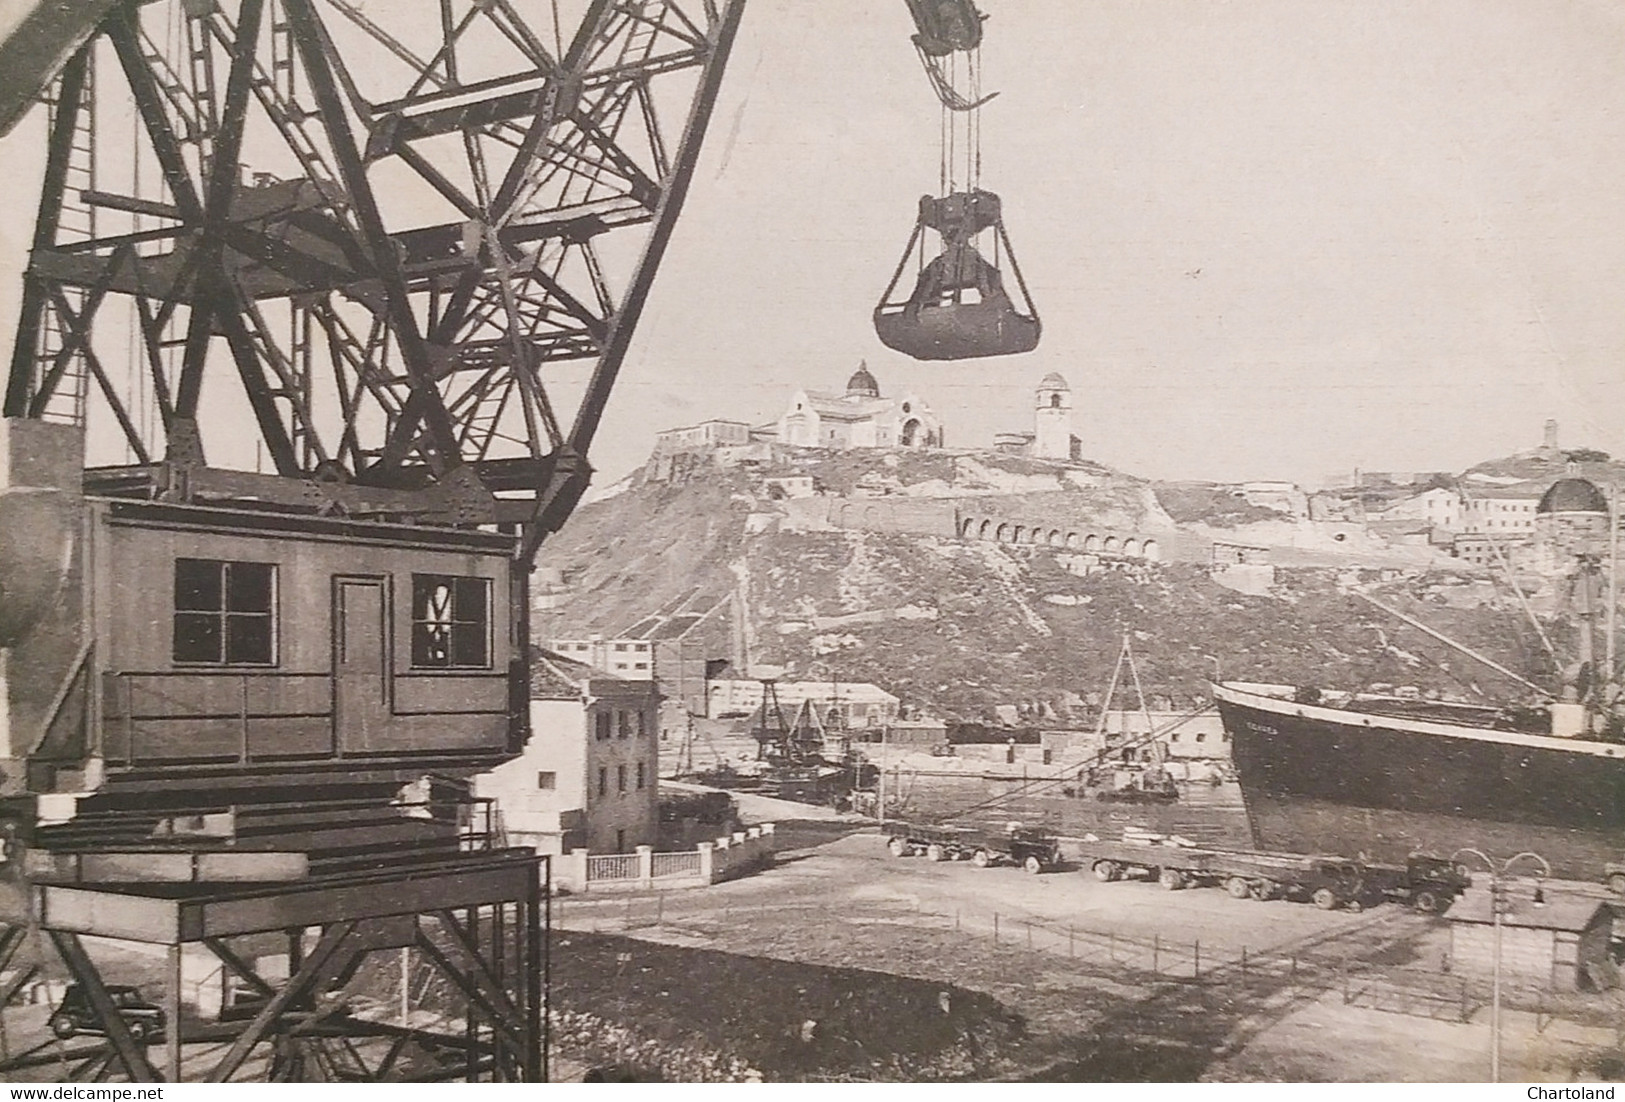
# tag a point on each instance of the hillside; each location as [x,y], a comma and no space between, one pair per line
[960,626]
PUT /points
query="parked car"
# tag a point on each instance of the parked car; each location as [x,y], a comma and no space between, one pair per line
[75,1014]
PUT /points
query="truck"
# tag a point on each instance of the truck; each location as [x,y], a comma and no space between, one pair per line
[1033,849]
[1428,883]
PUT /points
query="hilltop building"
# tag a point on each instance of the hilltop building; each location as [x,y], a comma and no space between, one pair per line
[859,418]
[1051,436]
[702,437]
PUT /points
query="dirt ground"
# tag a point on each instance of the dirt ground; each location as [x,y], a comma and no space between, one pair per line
[841,963]
[1051,977]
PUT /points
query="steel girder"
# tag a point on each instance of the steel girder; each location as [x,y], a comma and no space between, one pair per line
[448,203]
[470,932]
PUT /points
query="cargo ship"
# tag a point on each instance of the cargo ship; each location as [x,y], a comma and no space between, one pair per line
[1381,777]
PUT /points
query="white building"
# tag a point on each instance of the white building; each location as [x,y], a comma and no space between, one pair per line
[1439,506]
[860,418]
[1051,436]
[633,658]
[588,776]
[1507,512]
[705,435]
[1052,419]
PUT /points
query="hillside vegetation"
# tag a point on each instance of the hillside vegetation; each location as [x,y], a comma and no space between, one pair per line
[958,627]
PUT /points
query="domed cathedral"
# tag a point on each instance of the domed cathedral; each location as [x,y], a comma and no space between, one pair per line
[1571,521]
[860,418]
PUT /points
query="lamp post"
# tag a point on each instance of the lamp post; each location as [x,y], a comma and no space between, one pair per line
[1498,907]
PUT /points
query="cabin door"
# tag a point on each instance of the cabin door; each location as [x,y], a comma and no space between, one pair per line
[360,664]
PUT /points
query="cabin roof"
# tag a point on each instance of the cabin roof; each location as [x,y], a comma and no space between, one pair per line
[1561,911]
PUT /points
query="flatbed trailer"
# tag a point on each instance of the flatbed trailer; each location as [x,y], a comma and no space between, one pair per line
[1035,850]
[1328,882]
[1430,884]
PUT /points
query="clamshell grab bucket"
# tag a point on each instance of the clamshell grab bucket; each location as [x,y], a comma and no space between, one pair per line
[960,308]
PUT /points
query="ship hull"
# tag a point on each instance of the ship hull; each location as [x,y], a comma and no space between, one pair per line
[1327,780]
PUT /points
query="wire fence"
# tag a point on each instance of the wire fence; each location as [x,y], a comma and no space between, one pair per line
[1345,962]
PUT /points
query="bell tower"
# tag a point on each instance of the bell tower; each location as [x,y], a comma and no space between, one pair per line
[1052,418]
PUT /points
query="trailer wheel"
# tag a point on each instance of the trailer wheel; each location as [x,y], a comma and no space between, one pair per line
[1171,879]
[934,852]
[1033,864]
[1106,871]
[897,847]
[1427,902]
[1616,883]
[981,858]
[1238,887]
[1325,899]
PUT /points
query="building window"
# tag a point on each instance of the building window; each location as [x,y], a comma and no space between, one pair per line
[547,782]
[603,726]
[225,613]
[643,724]
[624,723]
[451,622]
[1201,736]
[640,776]
[620,778]
[603,781]
[620,646]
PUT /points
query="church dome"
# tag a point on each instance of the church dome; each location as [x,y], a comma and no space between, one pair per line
[1053,381]
[862,384]
[1573,495]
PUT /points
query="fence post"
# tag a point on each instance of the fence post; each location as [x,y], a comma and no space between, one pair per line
[1029,935]
[707,861]
[646,866]
[1196,956]
[1244,962]
[1156,954]
[995,927]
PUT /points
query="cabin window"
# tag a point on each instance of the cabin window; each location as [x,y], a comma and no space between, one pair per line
[225,613]
[547,782]
[451,622]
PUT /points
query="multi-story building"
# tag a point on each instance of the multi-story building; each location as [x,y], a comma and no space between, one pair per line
[588,776]
[705,435]
[1504,511]
[634,658]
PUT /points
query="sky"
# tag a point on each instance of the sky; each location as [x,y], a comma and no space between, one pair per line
[1268,239]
